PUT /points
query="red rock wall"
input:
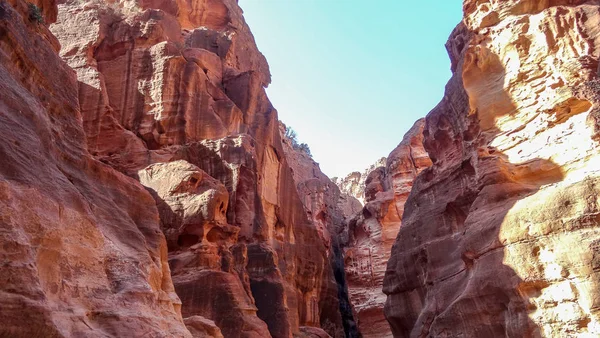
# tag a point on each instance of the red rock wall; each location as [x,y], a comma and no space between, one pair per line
[499,237]
[330,211]
[373,231]
[79,240]
[166,81]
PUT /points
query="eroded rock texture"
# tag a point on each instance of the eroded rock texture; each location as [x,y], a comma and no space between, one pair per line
[201,327]
[354,183]
[330,210]
[81,251]
[207,264]
[499,237]
[373,231]
[172,93]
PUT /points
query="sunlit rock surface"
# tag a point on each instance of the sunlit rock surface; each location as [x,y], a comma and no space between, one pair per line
[81,251]
[373,231]
[207,266]
[499,238]
[354,183]
[172,93]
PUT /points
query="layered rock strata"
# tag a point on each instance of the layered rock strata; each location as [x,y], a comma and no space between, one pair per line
[330,211]
[354,183]
[500,235]
[172,94]
[81,253]
[207,264]
[372,232]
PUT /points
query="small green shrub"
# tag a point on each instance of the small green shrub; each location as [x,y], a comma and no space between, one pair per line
[304,147]
[290,134]
[35,14]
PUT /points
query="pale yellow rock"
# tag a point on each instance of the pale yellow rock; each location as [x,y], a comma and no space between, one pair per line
[500,237]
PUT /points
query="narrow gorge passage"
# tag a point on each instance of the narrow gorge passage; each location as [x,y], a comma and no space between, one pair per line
[149,189]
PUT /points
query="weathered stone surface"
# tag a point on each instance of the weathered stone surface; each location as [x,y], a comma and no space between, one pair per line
[192,208]
[329,210]
[164,81]
[325,204]
[499,237]
[311,332]
[138,65]
[373,231]
[81,252]
[354,183]
[201,327]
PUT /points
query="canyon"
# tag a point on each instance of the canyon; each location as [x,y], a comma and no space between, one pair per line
[145,191]
[499,235]
[373,231]
[148,188]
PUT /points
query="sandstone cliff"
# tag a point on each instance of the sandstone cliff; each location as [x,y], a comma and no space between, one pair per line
[354,183]
[145,190]
[330,211]
[79,240]
[500,235]
[172,94]
[373,231]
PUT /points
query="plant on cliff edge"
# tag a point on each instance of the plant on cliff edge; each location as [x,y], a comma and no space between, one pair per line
[304,147]
[291,136]
[35,13]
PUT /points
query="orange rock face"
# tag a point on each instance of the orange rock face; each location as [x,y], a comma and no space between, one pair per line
[79,240]
[373,231]
[207,264]
[172,94]
[329,210]
[499,236]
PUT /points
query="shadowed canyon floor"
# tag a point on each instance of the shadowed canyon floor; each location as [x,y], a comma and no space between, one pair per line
[148,189]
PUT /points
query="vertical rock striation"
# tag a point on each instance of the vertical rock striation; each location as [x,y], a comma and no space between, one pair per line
[207,264]
[500,235]
[172,94]
[81,251]
[330,211]
[373,231]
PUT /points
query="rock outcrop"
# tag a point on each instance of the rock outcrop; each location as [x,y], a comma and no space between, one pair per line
[145,190]
[207,264]
[500,235]
[373,231]
[172,93]
[330,211]
[354,183]
[81,251]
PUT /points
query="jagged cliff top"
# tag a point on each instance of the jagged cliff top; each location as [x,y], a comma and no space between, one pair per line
[353,184]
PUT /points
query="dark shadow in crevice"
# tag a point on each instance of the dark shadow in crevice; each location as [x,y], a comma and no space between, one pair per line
[339,273]
[446,275]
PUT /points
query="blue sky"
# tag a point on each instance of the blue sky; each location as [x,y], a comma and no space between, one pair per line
[352,76]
